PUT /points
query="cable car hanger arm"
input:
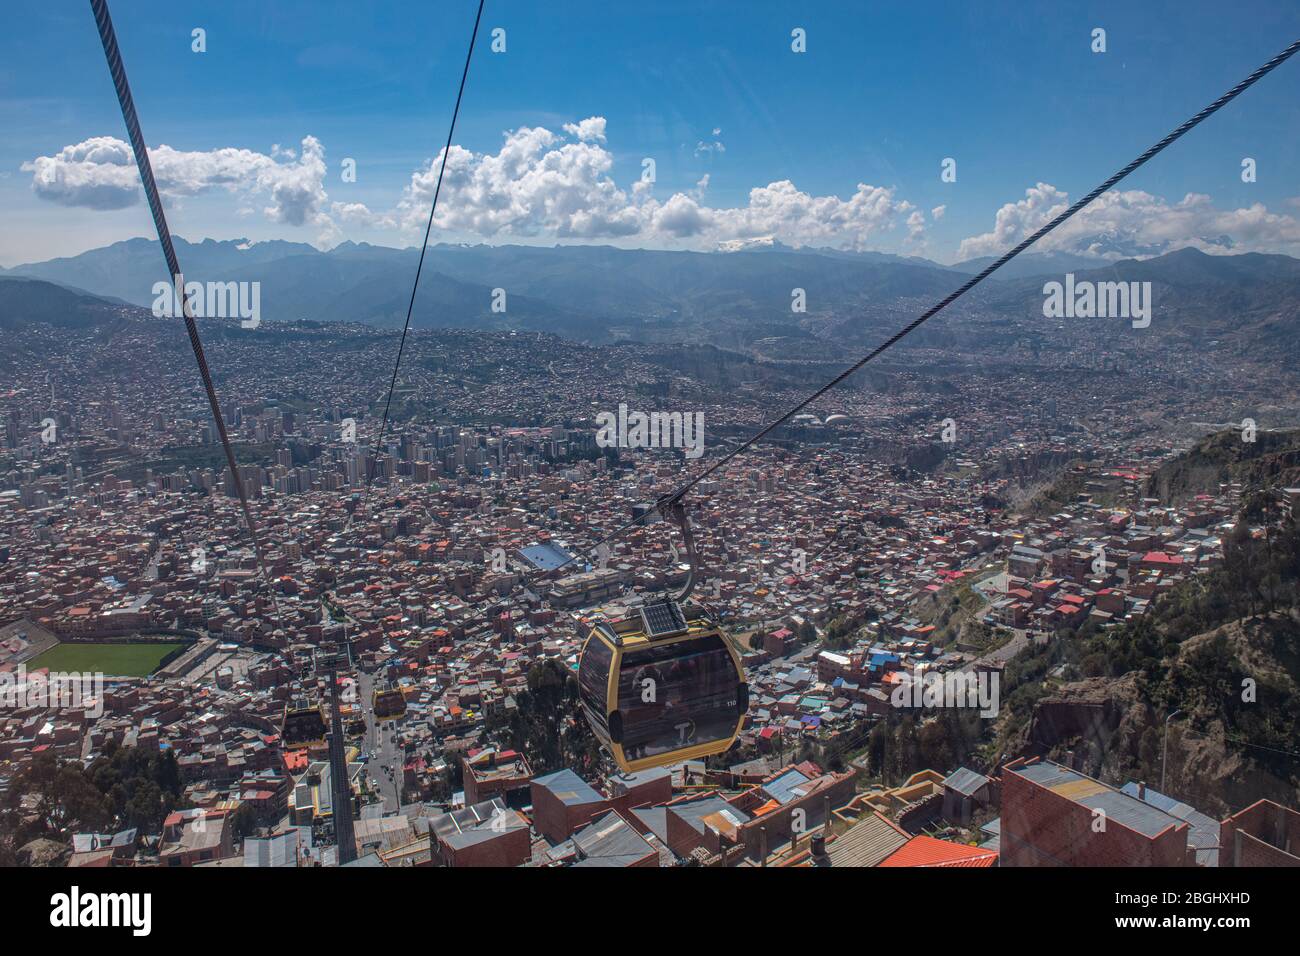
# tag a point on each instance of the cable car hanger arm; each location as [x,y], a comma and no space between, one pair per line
[676,511]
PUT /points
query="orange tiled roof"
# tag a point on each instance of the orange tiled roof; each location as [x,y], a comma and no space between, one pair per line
[927,851]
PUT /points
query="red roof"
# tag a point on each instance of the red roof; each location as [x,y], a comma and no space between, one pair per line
[295,760]
[1160,557]
[927,851]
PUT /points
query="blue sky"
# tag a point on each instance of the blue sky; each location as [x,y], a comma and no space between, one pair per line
[884,92]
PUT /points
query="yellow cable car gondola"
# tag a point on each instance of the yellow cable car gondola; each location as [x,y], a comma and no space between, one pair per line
[388,703]
[303,725]
[664,684]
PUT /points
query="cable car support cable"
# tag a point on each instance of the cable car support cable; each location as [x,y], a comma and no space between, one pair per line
[424,246]
[108,38]
[677,495]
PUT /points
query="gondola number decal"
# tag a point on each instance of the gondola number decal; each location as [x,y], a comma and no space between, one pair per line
[685,731]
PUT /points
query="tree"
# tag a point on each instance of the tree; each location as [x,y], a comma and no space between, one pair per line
[61,800]
[142,786]
[244,821]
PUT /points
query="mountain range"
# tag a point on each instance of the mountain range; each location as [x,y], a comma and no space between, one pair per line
[734,298]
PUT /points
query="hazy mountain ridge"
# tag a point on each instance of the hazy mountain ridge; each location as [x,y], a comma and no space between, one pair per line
[732,299]
[1252,300]
[24,300]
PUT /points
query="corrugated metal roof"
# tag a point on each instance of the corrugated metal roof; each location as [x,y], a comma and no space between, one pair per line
[1204,834]
[609,841]
[624,782]
[479,823]
[694,812]
[567,787]
[278,850]
[965,781]
[865,843]
[1119,807]
[654,819]
[782,788]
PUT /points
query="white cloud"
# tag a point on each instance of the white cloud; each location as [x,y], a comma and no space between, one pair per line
[1133,223]
[704,149]
[352,213]
[590,130]
[539,183]
[916,226]
[560,185]
[535,185]
[100,173]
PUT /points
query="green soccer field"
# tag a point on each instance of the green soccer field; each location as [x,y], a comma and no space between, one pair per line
[113,660]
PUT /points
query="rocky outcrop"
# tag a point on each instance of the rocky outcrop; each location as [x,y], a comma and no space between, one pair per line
[43,852]
[1105,728]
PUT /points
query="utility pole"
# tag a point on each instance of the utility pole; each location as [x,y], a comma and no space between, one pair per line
[1164,751]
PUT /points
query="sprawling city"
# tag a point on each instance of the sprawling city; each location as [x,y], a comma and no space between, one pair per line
[569,561]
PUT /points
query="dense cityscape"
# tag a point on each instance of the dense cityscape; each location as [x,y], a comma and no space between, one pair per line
[478,437]
[859,547]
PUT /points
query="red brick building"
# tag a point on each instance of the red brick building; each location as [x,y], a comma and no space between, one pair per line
[489,774]
[761,819]
[1264,834]
[485,834]
[562,803]
[1054,816]
[648,788]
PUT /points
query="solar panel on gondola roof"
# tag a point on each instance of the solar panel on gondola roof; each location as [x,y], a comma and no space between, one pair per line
[662,619]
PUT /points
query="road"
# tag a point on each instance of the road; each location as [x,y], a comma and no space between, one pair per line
[385,768]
